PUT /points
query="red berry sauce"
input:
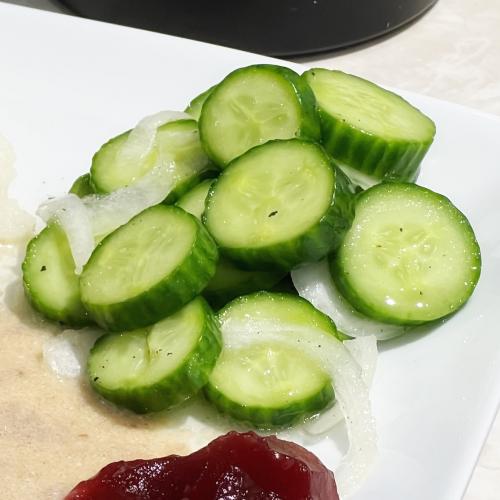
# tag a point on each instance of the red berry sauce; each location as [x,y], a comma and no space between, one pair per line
[237,466]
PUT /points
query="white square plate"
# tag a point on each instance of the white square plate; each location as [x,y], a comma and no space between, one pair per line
[67,85]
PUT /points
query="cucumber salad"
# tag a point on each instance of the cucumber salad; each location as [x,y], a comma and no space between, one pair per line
[253,249]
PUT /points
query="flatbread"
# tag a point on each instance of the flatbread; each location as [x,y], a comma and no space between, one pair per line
[56,432]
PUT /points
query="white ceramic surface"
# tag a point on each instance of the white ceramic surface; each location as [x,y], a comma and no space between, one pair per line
[450,53]
[67,85]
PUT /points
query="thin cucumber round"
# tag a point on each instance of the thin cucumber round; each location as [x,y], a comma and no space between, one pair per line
[82,186]
[49,278]
[278,205]
[194,108]
[410,256]
[368,128]
[148,269]
[160,366]
[268,386]
[176,141]
[314,283]
[253,105]
[229,281]
[194,200]
[265,383]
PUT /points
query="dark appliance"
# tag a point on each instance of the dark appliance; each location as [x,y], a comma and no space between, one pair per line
[272,27]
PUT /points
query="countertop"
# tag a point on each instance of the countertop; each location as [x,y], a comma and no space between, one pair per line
[452,53]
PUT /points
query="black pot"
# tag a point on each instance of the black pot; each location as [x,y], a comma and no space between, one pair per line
[273,27]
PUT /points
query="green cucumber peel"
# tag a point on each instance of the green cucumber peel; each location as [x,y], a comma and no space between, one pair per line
[253,105]
[369,129]
[410,257]
[160,366]
[148,268]
[278,205]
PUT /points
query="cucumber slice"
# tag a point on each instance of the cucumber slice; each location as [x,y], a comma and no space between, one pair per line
[278,205]
[410,256]
[369,128]
[148,268]
[49,278]
[194,108]
[194,200]
[230,282]
[82,186]
[177,140]
[253,105]
[268,386]
[183,186]
[160,366]
[265,383]
[315,284]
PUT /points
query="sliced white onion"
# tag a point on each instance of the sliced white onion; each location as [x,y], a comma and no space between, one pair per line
[324,422]
[72,215]
[142,137]
[364,352]
[66,354]
[362,180]
[314,283]
[350,388]
[108,212]
[88,219]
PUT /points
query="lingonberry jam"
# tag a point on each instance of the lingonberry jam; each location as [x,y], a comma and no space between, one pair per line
[237,466]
